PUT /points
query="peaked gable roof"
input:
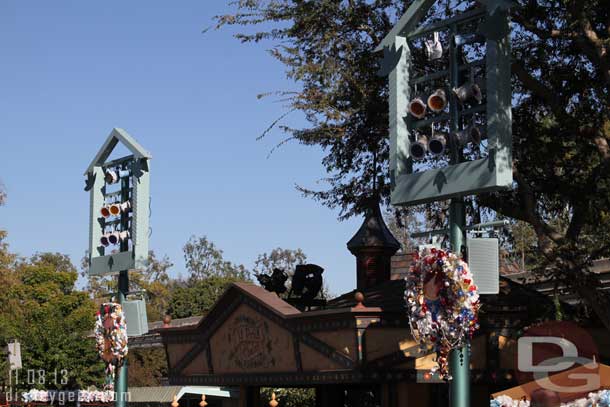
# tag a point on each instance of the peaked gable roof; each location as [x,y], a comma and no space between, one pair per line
[268,298]
[227,301]
[412,16]
[115,136]
[373,232]
[418,10]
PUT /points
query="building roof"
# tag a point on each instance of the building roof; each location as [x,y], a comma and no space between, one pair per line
[544,284]
[153,338]
[165,394]
[269,298]
[389,296]
[115,136]
[373,232]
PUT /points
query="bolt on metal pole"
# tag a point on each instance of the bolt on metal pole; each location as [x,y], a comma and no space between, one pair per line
[459,359]
[120,378]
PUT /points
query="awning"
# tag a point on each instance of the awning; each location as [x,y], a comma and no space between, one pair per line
[165,394]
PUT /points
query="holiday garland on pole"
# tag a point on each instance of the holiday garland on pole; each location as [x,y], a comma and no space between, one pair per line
[443,304]
[599,398]
[111,337]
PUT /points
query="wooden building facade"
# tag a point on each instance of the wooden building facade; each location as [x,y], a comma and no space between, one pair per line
[356,351]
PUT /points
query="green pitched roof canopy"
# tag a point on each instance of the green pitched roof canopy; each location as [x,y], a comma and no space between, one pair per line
[418,10]
[115,136]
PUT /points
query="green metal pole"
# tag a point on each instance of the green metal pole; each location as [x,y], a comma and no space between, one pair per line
[459,360]
[120,378]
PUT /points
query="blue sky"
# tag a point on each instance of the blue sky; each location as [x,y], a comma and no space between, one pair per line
[73,70]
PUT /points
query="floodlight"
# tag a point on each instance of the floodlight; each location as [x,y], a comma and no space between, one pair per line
[437,101]
[104,240]
[419,148]
[417,108]
[471,134]
[105,211]
[463,39]
[117,208]
[433,47]
[437,144]
[468,91]
[117,237]
[113,176]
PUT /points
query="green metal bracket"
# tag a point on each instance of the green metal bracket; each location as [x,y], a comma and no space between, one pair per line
[136,190]
[492,172]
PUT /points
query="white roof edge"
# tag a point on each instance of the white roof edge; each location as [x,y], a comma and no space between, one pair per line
[411,16]
[121,135]
[131,143]
[214,391]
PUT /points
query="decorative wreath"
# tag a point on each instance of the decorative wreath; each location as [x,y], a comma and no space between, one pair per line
[111,336]
[443,304]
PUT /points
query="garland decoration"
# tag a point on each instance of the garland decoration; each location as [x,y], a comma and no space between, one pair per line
[111,337]
[600,398]
[443,304]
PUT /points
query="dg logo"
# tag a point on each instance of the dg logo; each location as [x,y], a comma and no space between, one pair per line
[548,349]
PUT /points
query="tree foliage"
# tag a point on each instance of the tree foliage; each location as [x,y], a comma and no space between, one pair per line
[522,245]
[561,128]
[9,302]
[290,397]
[2,194]
[197,297]
[203,259]
[326,47]
[561,114]
[42,309]
[157,284]
[402,223]
[154,280]
[285,259]
[147,366]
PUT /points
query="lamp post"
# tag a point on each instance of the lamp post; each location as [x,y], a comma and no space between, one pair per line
[120,379]
[459,359]
[123,222]
[483,101]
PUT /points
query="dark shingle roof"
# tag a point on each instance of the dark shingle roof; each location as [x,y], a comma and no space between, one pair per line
[373,232]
